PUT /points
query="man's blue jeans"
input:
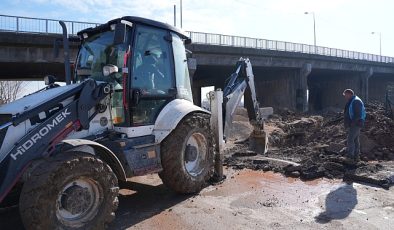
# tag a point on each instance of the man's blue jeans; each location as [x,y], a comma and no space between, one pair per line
[353,142]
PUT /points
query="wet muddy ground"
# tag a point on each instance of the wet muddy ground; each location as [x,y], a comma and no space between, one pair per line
[379,173]
[300,183]
[249,200]
[259,200]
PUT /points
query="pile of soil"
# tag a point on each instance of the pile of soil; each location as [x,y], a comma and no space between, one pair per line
[302,136]
[317,143]
[240,128]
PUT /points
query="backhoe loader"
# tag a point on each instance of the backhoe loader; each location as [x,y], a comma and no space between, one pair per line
[126,110]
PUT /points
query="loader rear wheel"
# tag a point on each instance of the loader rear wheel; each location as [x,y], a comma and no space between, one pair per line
[72,190]
[187,155]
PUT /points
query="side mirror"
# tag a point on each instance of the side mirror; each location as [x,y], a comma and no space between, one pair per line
[188,41]
[120,34]
[135,97]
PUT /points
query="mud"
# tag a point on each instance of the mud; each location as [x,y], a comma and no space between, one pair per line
[248,199]
[316,146]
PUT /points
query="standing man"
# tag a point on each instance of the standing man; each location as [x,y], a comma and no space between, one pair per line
[354,117]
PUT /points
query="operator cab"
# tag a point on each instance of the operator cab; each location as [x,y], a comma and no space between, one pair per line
[144,60]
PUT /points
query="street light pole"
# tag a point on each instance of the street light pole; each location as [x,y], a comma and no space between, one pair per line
[314,27]
[380,43]
[174,15]
[181,13]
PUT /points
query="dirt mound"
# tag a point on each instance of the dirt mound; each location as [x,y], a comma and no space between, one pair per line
[326,134]
[318,144]
[241,127]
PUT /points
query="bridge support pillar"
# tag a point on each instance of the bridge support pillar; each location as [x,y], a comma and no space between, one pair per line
[377,86]
[365,84]
[325,89]
[275,88]
[302,88]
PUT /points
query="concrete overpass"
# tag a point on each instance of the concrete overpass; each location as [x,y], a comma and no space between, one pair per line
[288,75]
[294,80]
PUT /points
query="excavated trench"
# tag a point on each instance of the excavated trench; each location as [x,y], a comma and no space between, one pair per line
[313,146]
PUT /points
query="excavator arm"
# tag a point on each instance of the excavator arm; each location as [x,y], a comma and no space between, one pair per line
[237,84]
[223,105]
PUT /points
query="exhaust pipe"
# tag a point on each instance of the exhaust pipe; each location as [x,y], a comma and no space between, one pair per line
[66,52]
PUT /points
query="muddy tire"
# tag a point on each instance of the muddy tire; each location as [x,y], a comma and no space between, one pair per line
[187,155]
[69,191]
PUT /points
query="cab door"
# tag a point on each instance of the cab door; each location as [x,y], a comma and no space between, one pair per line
[152,83]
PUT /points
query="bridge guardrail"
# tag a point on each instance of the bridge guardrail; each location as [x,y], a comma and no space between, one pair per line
[41,25]
[258,43]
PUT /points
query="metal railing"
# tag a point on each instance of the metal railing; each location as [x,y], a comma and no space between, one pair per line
[258,43]
[40,25]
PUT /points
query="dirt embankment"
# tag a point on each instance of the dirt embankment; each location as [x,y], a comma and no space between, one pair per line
[316,145]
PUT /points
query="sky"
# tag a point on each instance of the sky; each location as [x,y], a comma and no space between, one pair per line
[343,24]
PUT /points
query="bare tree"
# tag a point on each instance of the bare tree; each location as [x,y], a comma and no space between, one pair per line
[10,90]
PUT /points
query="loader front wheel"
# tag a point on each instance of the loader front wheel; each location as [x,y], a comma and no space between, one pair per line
[72,190]
[187,155]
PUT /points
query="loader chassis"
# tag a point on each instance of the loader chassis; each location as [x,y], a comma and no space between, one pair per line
[126,111]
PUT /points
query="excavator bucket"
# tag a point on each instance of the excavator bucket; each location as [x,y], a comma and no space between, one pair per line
[258,141]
